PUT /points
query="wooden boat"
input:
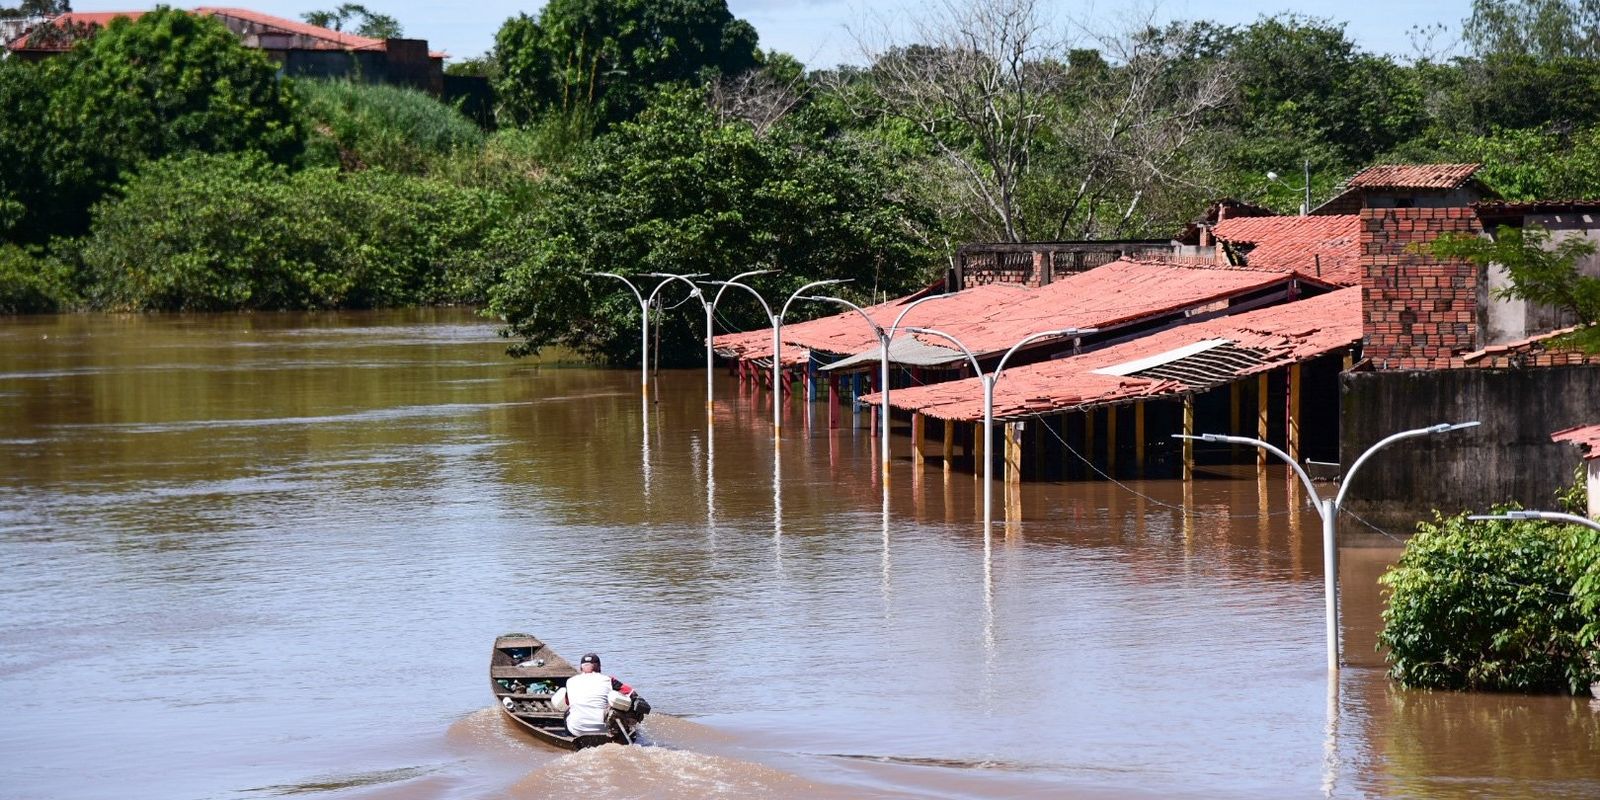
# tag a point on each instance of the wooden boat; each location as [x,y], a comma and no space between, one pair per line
[524,674]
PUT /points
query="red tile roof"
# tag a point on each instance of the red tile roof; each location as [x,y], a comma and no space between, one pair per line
[1532,344]
[315,38]
[1586,437]
[1270,338]
[1414,176]
[989,319]
[1300,244]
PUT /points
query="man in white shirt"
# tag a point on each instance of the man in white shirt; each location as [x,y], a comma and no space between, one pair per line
[588,700]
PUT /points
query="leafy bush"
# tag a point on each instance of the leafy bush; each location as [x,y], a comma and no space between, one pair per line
[33,284]
[205,232]
[1502,606]
[360,125]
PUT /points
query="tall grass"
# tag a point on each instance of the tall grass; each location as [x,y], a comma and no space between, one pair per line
[359,126]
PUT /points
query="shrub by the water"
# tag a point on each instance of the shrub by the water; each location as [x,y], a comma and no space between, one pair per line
[1500,606]
[33,284]
[207,232]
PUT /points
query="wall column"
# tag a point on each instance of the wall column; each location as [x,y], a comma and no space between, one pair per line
[1013,453]
[949,443]
[919,428]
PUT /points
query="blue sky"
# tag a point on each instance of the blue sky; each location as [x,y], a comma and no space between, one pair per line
[817,31]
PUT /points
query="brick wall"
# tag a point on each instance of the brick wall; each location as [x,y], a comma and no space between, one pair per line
[1417,312]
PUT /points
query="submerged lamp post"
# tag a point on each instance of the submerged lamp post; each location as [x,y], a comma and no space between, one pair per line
[777,340]
[885,337]
[989,381]
[1329,511]
[644,314]
[1548,516]
[711,310]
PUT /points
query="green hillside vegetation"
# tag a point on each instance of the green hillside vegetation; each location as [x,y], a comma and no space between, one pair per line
[162,165]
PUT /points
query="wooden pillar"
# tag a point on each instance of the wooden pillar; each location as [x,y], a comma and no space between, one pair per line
[1261,418]
[1138,437]
[949,443]
[1291,422]
[919,429]
[1111,441]
[977,450]
[1188,444]
[1349,360]
[1013,453]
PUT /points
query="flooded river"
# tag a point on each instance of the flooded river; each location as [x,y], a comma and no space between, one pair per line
[260,556]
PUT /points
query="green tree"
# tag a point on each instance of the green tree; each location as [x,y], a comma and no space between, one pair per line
[1542,29]
[677,191]
[609,55]
[1493,606]
[169,82]
[35,8]
[1540,272]
[367,23]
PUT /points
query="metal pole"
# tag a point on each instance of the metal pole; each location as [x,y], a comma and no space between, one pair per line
[777,378]
[1305,207]
[711,310]
[988,448]
[709,405]
[883,362]
[1548,516]
[1330,579]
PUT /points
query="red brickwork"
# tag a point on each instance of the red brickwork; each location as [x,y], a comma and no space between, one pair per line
[1418,312]
[1534,351]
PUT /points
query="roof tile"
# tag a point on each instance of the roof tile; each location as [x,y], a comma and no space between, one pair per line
[1325,246]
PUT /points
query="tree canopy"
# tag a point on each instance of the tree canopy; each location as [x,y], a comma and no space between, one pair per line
[610,55]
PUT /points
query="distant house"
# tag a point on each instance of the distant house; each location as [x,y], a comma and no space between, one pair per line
[298,48]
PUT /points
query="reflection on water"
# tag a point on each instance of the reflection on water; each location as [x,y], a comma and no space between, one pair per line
[268,554]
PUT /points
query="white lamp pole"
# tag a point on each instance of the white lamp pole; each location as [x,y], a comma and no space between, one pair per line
[711,310]
[885,337]
[777,343]
[1548,516]
[644,329]
[1329,511]
[989,381]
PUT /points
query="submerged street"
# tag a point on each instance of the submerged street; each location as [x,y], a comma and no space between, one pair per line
[268,554]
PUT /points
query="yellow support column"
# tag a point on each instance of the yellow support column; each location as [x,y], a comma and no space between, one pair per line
[1138,437]
[1013,453]
[1292,423]
[1188,444]
[919,429]
[949,443]
[1261,418]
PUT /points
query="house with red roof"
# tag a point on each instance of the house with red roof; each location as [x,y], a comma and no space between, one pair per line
[299,48]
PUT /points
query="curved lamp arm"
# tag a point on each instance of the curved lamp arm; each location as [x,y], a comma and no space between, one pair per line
[878,329]
[694,290]
[1311,489]
[734,281]
[977,371]
[631,287]
[808,287]
[727,284]
[1548,516]
[1033,337]
[907,310]
[1349,477]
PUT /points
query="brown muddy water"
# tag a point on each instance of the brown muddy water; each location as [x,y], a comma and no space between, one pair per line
[261,556]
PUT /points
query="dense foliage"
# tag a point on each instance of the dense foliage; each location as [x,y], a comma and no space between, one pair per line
[609,55]
[213,232]
[1502,606]
[677,190]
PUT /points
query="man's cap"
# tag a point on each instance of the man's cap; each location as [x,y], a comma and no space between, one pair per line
[590,658]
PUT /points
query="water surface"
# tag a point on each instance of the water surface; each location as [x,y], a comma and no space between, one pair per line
[266,555]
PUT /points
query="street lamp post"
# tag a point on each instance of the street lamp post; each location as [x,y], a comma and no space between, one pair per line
[644,329]
[989,381]
[885,337]
[777,341]
[711,310]
[1305,205]
[1329,511]
[1548,516]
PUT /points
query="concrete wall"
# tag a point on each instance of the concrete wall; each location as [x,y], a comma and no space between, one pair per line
[1509,457]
